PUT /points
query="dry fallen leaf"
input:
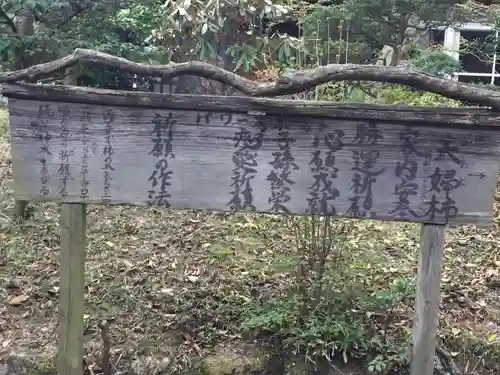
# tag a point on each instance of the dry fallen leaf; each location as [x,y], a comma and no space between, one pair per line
[17,300]
[168,291]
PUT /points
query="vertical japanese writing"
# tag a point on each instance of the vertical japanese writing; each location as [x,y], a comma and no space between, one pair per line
[245,164]
[283,164]
[322,192]
[43,137]
[365,169]
[228,118]
[203,119]
[163,151]
[109,118]
[84,183]
[406,170]
[206,118]
[444,181]
[65,154]
[447,149]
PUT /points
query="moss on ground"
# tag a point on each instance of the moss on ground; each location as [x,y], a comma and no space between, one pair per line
[234,360]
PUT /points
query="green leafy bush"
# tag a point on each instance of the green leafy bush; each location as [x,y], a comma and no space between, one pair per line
[395,94]
[324,313]
[436,62]
[340,325]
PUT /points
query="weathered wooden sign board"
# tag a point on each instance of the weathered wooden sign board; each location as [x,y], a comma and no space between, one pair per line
[203,157]
[79,145]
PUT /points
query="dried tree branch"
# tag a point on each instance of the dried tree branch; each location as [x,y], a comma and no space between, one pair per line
[290,83]
[451,365]
[106,348]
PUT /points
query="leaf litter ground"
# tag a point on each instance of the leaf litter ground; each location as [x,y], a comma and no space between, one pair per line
[166,280]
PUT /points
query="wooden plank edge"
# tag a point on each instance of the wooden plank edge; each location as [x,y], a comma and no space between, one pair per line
[478,219]
[237,104]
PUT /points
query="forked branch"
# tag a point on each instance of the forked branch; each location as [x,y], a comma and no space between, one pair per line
[286,84]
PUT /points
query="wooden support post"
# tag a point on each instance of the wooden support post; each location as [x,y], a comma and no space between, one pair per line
[25,29]
[428,297]
[71,324]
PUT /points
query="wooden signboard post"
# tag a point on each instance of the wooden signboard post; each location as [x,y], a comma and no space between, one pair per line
[79,146]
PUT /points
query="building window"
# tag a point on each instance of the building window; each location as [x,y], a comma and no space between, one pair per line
[436,36]
[474,45]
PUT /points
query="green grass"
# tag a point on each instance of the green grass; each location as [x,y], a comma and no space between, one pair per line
[178,286]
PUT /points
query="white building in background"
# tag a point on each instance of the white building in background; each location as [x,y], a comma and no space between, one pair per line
[484,68]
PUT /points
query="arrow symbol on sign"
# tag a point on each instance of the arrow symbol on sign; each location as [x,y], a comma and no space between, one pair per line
[480,175]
